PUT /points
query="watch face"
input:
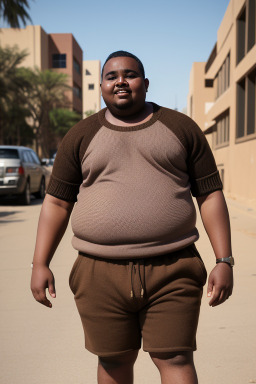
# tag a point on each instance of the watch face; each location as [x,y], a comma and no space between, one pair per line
[232,261]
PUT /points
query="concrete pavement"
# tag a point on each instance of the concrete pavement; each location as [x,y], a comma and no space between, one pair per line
[46,346]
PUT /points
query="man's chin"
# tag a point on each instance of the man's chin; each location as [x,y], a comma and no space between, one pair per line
[122,109]
[123,106]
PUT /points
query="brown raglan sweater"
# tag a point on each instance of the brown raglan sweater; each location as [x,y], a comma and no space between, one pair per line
[133,185]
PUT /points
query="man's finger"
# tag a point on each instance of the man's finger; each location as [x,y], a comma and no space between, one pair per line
[52,290]
[215,296]
[209,289]
[42,299]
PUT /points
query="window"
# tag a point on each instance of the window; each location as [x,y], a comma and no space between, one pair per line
[76,66]
[35,158]
[90,86]
[246,105]
[77,91]
[251,30]
[191,106]
[240,101]
[222,80]
[59,60]
[246,29]
[221,135]
[208,83]
[6,153]
[241,36]
[222,175]
[87,73]
[27,158]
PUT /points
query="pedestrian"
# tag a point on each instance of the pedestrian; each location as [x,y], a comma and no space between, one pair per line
[131,169]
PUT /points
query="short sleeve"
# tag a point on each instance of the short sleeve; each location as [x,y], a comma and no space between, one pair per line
[66,175]
[203,173]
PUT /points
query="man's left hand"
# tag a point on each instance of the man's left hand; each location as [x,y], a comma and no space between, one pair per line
[220,284]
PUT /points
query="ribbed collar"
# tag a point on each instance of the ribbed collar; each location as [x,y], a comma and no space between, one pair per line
[156,113]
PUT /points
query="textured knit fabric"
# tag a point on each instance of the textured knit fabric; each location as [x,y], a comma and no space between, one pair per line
[133,184]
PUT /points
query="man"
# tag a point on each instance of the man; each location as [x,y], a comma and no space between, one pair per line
[138,274]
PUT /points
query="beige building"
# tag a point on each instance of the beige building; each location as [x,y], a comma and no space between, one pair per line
[33,39]
[222,99]
[58,51]
[91,87]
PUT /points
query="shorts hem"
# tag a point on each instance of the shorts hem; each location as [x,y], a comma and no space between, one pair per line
[110,354]
[172,349]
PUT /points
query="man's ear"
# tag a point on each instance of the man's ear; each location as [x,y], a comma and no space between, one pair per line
[146,82]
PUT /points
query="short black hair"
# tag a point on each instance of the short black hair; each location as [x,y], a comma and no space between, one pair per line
[125,54]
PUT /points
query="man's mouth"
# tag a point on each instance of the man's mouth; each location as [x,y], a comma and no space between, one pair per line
[120,91]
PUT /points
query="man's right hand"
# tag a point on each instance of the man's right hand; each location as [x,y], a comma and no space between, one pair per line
[41,279]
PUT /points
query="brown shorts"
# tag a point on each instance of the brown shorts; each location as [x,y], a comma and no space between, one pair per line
[157,299]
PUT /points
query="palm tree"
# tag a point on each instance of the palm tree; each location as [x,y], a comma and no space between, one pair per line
[62,120]
[12,11]
[12,84]
[46,92]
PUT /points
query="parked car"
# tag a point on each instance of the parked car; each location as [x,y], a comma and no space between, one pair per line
[21,173]
[47,162]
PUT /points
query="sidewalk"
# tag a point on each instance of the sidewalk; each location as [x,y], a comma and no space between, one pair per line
[46,346]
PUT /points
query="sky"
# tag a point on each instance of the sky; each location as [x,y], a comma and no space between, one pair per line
[167,35]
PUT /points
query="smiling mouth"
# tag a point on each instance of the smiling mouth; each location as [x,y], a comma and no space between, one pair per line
[122,91]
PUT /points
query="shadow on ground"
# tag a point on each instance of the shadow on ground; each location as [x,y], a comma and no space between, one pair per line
[14,202]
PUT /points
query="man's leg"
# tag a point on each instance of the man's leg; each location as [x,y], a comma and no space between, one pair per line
[175,368]
[117,369]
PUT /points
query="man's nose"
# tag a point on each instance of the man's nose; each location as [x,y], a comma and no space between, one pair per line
[121,80]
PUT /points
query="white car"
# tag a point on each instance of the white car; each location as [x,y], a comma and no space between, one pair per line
[21,173]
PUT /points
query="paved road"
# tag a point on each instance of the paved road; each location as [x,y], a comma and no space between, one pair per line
[45,346]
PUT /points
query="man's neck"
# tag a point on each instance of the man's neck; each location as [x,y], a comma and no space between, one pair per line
[139,118]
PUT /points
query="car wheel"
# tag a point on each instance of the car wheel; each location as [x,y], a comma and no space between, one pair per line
[25,197]
[41,193]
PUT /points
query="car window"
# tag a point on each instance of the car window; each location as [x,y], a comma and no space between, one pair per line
[7,153]
[27,157]
[35,158]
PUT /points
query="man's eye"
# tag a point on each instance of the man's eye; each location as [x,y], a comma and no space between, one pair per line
[111,78]
[131,76]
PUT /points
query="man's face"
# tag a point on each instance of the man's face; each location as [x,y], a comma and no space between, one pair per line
[123,86]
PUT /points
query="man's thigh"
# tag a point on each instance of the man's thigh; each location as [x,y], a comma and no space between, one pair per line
[108,314]
[174,287]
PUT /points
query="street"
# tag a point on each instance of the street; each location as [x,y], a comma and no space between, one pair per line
[46,346]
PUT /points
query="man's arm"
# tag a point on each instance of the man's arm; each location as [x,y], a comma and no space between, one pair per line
[215,218]
[52,225]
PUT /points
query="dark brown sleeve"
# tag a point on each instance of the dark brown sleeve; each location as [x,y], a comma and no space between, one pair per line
[66,175]
[203,173]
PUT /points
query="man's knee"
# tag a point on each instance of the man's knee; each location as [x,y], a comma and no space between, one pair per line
[178,359]
[114,362]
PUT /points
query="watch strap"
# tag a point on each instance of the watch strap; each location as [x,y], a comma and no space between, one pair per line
[229,260]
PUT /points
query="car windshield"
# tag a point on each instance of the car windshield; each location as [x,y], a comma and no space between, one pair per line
[7,153]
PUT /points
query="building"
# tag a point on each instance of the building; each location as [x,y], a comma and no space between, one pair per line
[66,56]
[197,105]
[33,39]
[222,99]
[58,51]
[91,87]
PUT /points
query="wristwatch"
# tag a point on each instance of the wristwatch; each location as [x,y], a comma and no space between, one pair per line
[229,260]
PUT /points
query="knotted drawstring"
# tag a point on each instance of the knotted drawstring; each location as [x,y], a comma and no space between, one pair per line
[140,263]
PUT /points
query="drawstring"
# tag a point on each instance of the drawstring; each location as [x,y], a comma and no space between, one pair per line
[131,264]
[142,281]
[142,278]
